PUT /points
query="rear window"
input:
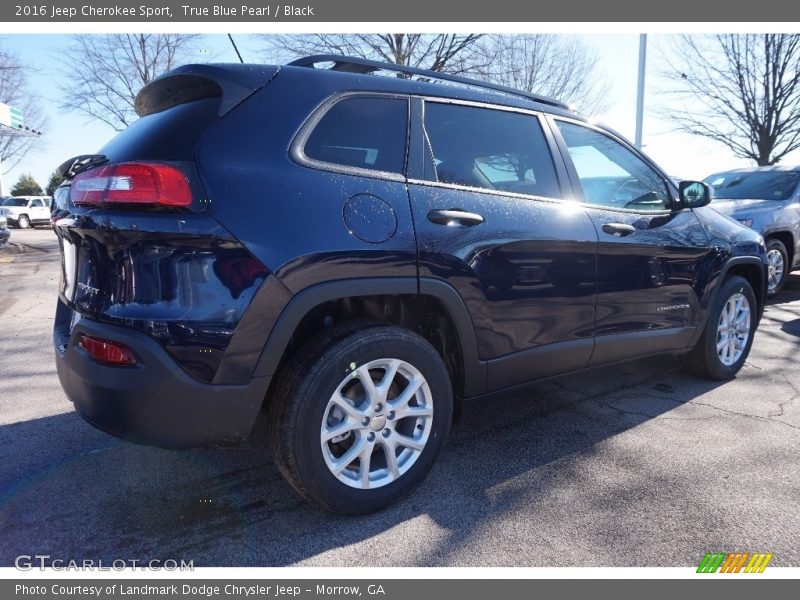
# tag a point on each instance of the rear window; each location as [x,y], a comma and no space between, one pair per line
[368,133]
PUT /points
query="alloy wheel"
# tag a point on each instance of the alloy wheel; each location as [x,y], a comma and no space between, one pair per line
[733,329]
[775,268]
[376,423]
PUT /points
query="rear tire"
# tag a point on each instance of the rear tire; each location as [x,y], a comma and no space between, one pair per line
[726,341]
[778,266]
[351,447]
[23,222]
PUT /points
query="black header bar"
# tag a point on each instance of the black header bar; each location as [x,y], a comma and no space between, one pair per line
[360,11]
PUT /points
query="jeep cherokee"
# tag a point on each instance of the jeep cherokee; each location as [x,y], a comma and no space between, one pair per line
[355,254]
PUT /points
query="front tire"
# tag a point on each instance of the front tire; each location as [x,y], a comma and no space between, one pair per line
[23,222]
[360,416]
[726,341]
[777,266]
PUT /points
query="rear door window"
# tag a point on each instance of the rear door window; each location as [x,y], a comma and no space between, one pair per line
[363,132]
[489,149]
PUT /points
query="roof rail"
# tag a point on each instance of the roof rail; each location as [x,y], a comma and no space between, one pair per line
[351,64]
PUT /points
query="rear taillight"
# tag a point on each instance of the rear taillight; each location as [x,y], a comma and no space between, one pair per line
[106,351]
[132,183]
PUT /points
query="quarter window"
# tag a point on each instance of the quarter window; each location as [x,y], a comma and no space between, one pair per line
[610,174]
[368,132]
[491,149]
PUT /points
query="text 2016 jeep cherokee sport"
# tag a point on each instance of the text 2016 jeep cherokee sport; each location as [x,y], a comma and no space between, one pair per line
[354,254]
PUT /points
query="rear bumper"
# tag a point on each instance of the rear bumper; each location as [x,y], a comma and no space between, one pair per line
[154,402]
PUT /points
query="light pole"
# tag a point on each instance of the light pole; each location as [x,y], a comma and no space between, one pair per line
[640,89]
[12,125]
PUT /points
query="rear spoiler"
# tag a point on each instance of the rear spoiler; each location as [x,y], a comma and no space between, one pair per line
[232,83]
[71,167]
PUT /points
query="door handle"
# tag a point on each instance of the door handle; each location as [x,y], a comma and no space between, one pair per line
[455,217]
[619,229]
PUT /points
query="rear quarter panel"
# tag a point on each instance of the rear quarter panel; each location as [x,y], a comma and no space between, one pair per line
[291,216]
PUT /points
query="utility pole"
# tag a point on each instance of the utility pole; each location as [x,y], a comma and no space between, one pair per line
[640,89]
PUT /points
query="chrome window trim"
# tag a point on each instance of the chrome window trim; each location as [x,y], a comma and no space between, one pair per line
[467,188]
[297,146]
[477,104]
[518,196]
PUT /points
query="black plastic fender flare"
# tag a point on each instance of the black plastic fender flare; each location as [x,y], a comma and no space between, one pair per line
[298,307]
[723,273]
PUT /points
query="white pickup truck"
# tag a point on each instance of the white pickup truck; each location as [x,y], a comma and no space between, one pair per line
[25,211]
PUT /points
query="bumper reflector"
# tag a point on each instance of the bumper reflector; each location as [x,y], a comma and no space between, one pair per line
[107,352]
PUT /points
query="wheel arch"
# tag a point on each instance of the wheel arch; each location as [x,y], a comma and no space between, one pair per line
[753,270]
[309,306]
[786,237]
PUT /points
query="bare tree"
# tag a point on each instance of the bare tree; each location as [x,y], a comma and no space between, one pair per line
[16,91]
[740,90]
[107,71]
[450,53]
[557,66]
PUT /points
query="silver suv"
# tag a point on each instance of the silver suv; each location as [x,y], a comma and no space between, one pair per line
[25,211]
[766,199]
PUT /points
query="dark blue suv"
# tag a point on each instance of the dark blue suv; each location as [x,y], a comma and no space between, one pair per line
[355,254]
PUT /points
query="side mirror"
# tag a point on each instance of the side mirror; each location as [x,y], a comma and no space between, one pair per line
[695,193]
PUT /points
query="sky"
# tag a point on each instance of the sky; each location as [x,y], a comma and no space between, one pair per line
[69,134]
[680,155]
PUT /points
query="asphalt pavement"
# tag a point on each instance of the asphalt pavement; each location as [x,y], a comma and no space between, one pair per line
[631,465]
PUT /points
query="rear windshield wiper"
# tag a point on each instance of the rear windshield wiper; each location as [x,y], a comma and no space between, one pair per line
[69,168]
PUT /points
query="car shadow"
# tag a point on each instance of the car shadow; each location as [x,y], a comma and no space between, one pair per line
[72,492]
[783,307]
[789,293]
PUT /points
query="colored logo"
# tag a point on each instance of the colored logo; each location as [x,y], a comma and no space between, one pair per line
[744,562]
